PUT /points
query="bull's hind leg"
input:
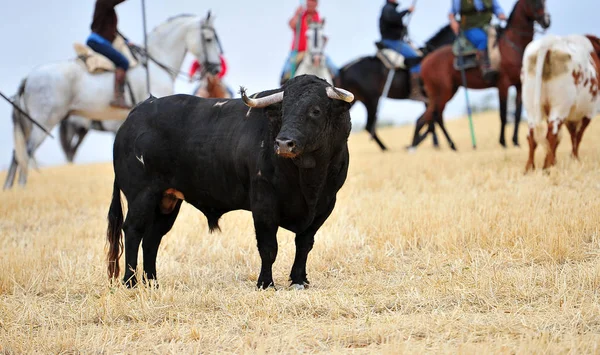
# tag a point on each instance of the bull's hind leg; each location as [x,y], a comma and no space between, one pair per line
[585,122]
[138,224]
[553,140]
[163,222]
[532,145]
[304,244]
[572,128]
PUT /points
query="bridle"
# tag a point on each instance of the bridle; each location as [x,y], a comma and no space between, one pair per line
[207,66]
[538,18]
[316,30]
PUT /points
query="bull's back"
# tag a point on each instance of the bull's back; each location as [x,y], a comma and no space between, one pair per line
[197,146]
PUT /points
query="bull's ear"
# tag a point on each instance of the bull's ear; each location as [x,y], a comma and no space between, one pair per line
[273,112]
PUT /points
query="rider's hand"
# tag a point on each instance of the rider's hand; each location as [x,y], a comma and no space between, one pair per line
[455,26]
[299,10]
[411,9]
[502,17]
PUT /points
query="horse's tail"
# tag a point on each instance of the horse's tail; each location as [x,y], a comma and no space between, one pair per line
[543,56]
[21,128]
[114,232]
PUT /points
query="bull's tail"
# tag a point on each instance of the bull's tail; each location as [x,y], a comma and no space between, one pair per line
[543,56]
[114,233]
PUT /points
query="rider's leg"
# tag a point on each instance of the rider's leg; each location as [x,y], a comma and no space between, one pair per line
[479,38]
[416,92]
[333,69]
[287,67]
[105,48]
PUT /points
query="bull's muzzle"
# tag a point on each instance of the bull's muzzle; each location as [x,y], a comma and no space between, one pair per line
[286,148]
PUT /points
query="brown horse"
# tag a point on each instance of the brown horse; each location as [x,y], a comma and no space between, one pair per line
[441,80]
[213,87]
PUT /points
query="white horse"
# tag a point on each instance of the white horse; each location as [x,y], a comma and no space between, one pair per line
[314,61]
[53,92]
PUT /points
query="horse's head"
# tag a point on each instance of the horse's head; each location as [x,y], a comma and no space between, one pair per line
[536,10]
[316,39]
[203,42]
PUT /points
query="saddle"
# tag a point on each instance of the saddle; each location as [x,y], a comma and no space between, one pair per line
[469,52]
[392,59]
[97,63]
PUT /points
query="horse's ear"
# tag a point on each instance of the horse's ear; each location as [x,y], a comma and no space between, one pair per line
[208,16]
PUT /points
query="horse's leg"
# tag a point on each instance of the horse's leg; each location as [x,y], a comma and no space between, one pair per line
[371,104]
[518,112]
[436,142]
[12,173]
[421,121]
[503,95]
[37,137]
[440,120]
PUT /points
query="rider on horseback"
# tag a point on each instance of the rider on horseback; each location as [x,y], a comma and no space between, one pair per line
[393,32]
[307,14]
[104,32]
[474,16]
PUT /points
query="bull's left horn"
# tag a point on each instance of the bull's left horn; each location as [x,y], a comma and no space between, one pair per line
[263,101]
[339,94]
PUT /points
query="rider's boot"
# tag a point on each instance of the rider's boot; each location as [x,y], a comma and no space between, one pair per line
[119,90]
[487,72]
[416,92]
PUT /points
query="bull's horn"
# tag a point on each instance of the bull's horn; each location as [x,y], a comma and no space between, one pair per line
[339,94]
[263,101]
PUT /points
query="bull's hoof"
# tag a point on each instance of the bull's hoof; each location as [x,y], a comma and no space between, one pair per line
[453,147]
[410,148]
[503,143]
[298,287]
[130,281]
[266,284]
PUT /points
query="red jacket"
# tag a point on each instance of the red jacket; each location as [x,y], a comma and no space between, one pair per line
[195,66]
[303,28]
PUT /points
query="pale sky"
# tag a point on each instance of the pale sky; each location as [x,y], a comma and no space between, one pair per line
[255,39]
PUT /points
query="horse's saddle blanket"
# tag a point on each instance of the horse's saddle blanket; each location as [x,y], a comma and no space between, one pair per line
[98,63]
[390,58]
[464,46]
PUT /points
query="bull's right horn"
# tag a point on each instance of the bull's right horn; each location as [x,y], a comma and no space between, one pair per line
[339,94]
[263,101]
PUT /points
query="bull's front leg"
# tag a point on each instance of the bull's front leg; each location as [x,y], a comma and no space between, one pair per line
[304,244]
[266,222]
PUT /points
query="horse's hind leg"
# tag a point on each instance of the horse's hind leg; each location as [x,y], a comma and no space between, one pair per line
[12,173]
[372,121]
[431,129]
[440,120]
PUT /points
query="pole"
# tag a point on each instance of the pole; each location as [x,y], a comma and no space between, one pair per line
[414,3]
[464,83]
[146,46]
[296,42]
[26,115]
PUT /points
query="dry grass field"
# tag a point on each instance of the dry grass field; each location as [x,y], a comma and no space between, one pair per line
[435,251]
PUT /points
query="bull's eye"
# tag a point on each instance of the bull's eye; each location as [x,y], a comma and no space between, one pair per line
[315,112]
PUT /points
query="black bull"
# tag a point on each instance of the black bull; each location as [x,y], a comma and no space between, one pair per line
[283,159]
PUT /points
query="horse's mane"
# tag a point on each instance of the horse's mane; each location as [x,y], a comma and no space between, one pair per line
[508,21]
[171,19]
[439,33]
